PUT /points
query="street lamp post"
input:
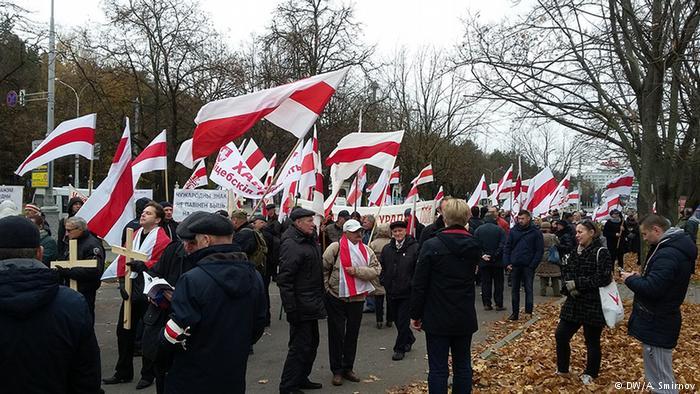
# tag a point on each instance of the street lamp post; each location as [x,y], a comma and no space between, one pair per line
[76,179]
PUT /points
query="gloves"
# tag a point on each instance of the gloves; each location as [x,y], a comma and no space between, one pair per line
[570,286]
[123,293]
[64,273]
[137,266]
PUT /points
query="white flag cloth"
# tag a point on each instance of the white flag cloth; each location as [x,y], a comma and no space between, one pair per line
[539,192]
[558,199]
[255,159]
[352,255]
[153,158]
[480,192]
[198,178]
[293,107]
[379,190]
[71,137]
[111,206]
[504,185]
[603,211]
[307,180]
[621,185]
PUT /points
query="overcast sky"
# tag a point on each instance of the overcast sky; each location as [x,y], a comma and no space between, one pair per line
[388,23]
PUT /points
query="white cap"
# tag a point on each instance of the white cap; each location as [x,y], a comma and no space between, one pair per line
[351,225]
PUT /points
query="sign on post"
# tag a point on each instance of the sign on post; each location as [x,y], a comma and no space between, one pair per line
[186,201]
[40,177]
[12,193]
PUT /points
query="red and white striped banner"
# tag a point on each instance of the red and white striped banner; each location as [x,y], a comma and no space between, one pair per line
[424,176]
[153,158]
[481,192]
[395,176]
[503,186]
[539,191]
[356,187]
[255,159]
[439,196]
[111,206]
[293,107]
[621,185]
[198,178]
[71,137]
[307,181]
[603,211]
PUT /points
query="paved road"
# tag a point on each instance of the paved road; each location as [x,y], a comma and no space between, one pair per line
[373,355]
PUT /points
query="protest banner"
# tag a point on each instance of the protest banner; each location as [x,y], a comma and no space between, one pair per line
[13,193]
[187,201]
[388,214]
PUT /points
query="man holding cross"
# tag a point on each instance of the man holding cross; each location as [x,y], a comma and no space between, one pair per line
[89,248]
[47,340]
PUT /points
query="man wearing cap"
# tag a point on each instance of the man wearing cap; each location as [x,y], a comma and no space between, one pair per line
[398,260]
[218,313]
[170,266]
[300,280]
[48,343]
[169,224]
[335,231]
[89,248]
[31,210]
[348,268]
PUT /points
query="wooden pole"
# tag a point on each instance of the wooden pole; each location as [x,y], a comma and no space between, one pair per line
[130,254]
[167,193]
[90,174]
[277,175]
[73,262]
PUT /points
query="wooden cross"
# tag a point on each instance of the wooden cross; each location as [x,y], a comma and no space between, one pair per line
[73,262]
[130,255]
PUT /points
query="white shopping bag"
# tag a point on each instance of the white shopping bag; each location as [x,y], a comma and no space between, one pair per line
[611,302]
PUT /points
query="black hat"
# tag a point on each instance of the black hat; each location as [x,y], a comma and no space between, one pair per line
[18,232]
[398,224]
[270,206]
[183,229]
[141,205]
[258,217]
[300,213]
[562,222]
[344,214]
[211,224]
[166,204]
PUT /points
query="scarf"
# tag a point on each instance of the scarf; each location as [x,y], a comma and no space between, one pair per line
[352,255]
[153,245]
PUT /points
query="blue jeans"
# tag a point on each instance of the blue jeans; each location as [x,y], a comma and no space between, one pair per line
[438,351]
[524,275]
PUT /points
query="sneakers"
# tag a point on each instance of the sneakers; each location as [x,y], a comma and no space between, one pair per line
[586,379]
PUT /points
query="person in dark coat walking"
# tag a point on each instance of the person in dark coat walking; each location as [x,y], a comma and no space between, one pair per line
[47,340]
[398,260]
[587,269]
[492,239]
[659,292]
[89,248]
[170,266]
[300,280]
[74,205]
[442,299]
[614,232]
[522,253]
[218,312]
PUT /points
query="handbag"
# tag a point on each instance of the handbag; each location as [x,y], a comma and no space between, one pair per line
[611,302]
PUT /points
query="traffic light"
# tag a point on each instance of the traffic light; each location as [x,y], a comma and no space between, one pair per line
[22,97]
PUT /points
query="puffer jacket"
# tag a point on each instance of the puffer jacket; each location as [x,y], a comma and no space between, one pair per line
[398,266]
[331,271]
[589,270]
[660,290]
[300,276]
[547,269]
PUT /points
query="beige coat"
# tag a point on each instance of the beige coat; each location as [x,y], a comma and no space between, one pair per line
[331,271]
[547,269]
[382,237]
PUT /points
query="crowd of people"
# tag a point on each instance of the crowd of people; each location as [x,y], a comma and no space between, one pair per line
[197,335]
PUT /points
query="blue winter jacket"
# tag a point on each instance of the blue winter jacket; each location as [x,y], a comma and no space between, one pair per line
[660,290]
[524,247]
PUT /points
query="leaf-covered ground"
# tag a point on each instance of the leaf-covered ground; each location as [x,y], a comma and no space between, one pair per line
[528,363]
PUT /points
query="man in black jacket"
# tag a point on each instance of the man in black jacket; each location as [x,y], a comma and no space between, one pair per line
[74,205]
[522,254]
[89,248]
[47,341]
[169,224]
[398,261]
[259,223]
[218,312]
[566,234]
[170,266]
[659,292]
[300,280]
[492,239]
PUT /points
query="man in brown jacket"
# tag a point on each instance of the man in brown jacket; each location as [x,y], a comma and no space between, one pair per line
[345,296]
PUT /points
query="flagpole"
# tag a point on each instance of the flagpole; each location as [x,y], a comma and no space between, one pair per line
[90,174]
[356,185]
[274,179]
[165,174]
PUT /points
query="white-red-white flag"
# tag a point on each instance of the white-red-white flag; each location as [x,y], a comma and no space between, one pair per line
[291,174]
[439,196]
[621,185]
[603,211]
[153,158]
[307,181]
[317,200]
[573,198]
[268,181]
[377,197]
[356,186]
[539,191]
[255,159]
[152,245]
[424,176]
[481,192]
[503,186]
[198,178]
[293,107]
[111,206]
[71,137]
[395,176]
[558,199]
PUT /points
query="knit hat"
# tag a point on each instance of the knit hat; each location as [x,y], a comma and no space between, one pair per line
[17,232]
[33,208]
